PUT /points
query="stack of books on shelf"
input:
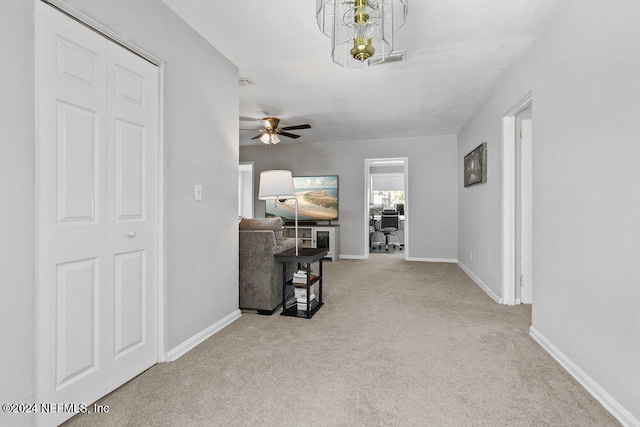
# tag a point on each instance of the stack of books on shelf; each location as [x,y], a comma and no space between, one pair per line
[301,299]
[300,277]
[300,282]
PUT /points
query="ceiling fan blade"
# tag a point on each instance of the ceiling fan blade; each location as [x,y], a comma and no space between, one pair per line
[296,127]
[290,135]
[257,136]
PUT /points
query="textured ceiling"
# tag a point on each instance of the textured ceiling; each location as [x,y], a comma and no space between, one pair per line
[455,52]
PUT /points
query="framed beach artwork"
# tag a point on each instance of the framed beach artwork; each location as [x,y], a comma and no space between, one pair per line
[475,166]
[317,200]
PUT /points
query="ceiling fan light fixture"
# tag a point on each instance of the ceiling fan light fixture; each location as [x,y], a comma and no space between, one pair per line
[269,138]
[360,30]
[271,131]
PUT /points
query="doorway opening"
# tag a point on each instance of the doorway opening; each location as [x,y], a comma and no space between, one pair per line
[386,207]
[517,271]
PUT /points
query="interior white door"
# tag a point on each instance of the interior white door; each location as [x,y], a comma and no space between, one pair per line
[97,220]
[132,212]
[526,250]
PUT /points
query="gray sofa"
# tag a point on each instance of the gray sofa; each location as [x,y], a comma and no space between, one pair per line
[260,272]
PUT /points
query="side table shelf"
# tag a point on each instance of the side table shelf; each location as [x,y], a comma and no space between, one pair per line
[306,256]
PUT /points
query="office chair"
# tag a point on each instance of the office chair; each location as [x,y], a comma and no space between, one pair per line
[389,226]
[389,219]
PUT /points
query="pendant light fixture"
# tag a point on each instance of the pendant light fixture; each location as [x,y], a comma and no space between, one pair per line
[361,31]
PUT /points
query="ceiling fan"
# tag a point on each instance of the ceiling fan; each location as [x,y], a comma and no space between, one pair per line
[269,135]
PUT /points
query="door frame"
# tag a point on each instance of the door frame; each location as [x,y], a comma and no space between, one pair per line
[509,142]
[367,194]
[107,33]
[247,166]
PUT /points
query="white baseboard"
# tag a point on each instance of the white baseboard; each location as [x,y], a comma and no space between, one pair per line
[351,256]
[480,283]
[610,404]
[189,344]
[445,260]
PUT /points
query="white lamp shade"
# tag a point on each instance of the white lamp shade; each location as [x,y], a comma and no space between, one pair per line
[276,184]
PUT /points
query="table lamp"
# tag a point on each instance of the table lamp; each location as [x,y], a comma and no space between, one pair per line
[277,185]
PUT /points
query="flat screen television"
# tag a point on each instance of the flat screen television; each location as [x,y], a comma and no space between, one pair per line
[317,200]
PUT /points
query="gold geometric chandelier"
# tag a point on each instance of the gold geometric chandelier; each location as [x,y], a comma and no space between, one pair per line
[361,31]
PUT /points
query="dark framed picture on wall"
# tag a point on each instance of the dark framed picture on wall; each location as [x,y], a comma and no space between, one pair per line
[475,166]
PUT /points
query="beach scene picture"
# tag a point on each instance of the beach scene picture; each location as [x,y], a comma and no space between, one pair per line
[317,200]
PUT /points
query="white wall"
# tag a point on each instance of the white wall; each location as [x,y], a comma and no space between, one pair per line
[584,74]
[433,181]
[17,215]
[201,147]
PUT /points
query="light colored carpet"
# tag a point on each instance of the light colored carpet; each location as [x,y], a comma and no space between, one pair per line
[397,343]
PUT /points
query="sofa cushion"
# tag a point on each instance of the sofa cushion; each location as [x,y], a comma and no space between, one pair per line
[274,224]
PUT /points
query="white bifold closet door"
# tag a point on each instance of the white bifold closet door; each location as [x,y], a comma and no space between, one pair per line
[97,219]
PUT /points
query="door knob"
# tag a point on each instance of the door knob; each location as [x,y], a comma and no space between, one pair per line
[132,233]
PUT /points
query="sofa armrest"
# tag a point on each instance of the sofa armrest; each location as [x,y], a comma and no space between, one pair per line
[260,272]
[260,275]
[256,251]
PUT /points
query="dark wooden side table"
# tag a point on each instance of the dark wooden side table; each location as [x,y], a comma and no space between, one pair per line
[305,256]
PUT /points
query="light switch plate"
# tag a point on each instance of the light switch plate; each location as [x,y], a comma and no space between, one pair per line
[198,192]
